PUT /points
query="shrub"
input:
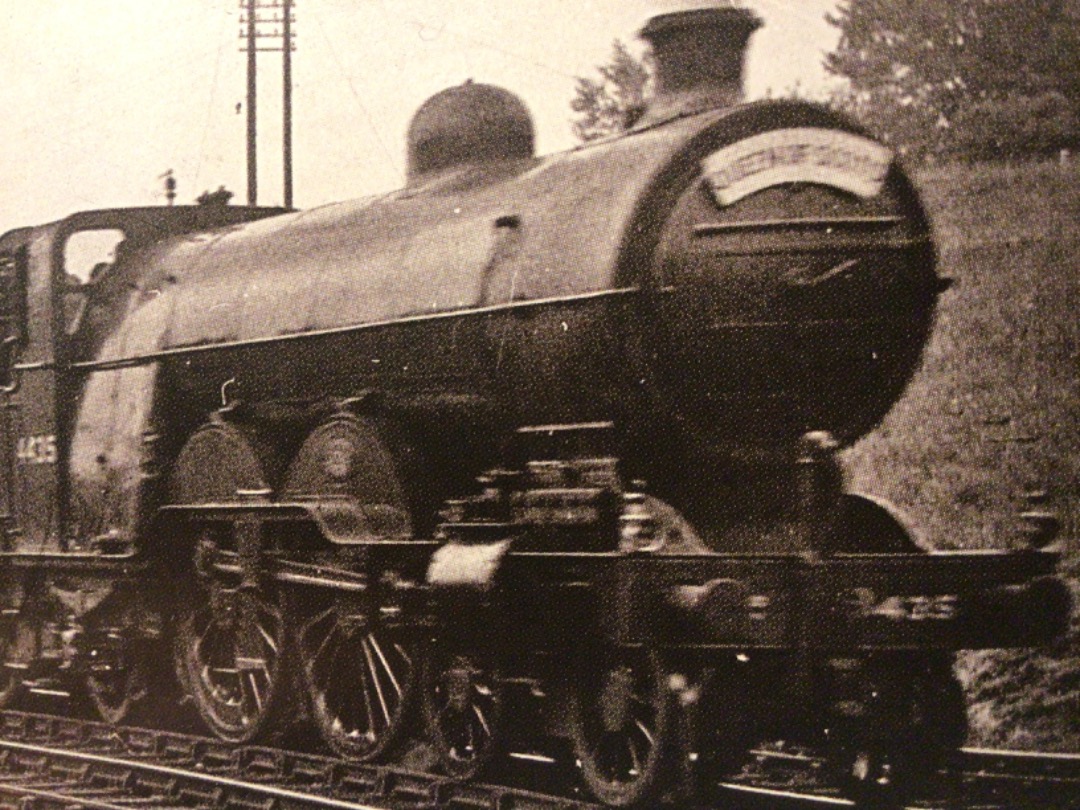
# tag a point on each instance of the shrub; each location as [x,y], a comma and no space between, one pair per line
[1013,126]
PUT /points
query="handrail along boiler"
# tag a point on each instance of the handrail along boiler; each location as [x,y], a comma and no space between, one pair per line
[542,444]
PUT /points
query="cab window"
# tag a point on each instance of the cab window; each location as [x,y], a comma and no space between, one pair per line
[90,254]
[88,257]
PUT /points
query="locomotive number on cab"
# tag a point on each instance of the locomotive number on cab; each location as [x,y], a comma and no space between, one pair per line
[36,449]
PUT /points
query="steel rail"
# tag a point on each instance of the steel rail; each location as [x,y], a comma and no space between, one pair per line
[1036,763]
[1022,778]
[66,763]
[294,798]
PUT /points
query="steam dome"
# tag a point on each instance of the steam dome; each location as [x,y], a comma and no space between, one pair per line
[468,125]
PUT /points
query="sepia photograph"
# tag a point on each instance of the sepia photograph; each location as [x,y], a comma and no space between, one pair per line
[562,405]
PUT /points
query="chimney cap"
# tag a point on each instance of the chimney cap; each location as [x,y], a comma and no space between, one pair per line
[739,21]
[699,60]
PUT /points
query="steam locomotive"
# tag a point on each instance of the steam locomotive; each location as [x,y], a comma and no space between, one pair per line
[533,451]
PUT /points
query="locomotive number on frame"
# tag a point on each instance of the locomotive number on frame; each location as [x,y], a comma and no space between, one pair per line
[938,607]
[36,449]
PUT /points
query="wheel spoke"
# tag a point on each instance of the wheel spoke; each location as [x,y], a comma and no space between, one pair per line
[320,668]
[313,661]
[481,719]
[368,708]
[333,651]
[255,690]
[309,626]
[644,731]
[201,637]
[240,687]
[267,638]
[373,676]
[386,665]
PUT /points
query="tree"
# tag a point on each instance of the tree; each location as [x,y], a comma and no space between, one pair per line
[916,66]
[615,101]
[215,199]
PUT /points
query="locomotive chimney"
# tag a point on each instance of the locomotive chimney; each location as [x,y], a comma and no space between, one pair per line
[699,59]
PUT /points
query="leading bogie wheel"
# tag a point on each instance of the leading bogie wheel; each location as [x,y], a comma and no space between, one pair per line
[232,650]
[908,744]
[360,678]
[623,725]
[463,699]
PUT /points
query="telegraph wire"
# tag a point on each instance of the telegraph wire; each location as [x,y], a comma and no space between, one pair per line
[787,8]
[363,107]
[442,27]
[225,19]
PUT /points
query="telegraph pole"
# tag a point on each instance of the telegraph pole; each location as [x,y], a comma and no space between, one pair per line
[256,29]
[286,97]
[252,93]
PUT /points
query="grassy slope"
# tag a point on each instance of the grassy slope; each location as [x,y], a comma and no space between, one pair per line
[994,412]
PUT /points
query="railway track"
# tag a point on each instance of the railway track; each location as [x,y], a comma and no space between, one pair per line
[53,762]
[1040,780]
[984,779]
[49,762]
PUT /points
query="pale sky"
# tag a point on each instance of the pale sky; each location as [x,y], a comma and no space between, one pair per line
[98,98]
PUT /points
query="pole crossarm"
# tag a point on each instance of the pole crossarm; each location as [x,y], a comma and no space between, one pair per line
[281,17]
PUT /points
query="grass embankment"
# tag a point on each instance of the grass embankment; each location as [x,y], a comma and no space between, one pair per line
[994,412]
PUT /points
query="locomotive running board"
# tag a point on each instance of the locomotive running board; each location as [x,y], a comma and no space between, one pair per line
[342,521]
[128,563]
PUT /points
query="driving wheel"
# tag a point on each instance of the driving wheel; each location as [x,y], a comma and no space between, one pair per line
[360,679]
[232,648]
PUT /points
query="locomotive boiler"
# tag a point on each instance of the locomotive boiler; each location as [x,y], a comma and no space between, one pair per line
[533,452]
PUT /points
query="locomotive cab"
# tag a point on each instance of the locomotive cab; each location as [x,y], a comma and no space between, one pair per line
[66,287]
